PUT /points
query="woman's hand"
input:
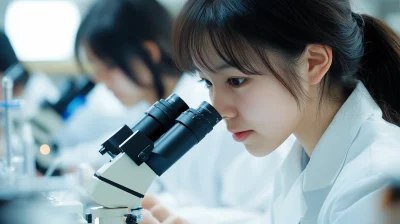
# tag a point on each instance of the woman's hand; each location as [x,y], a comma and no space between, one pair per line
[156,213]
[148,218]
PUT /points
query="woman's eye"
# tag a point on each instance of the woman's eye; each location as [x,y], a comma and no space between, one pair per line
[236,82]
[207,83]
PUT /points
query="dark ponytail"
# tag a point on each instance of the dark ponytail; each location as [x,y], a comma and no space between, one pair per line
[380,67]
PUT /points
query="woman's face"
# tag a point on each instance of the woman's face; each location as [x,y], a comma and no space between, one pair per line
[258,109]
[128,92]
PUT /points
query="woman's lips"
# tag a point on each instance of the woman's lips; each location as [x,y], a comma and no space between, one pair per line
[241,136]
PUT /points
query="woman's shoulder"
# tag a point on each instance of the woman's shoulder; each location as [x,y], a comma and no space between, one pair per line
[372,154]
[372,162]
[377,144]
[376,133]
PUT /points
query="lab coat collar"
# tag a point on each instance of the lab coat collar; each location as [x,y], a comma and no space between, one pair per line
[330,153]
[288,189]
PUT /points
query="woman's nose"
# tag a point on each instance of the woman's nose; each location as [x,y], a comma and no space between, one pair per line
[222,103]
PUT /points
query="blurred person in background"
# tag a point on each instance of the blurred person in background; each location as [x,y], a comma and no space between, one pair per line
[127,44]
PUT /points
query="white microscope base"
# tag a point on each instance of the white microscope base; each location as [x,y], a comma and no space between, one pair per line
[101,215]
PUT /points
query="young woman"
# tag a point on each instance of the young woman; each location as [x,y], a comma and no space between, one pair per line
[128,44]
[312,68]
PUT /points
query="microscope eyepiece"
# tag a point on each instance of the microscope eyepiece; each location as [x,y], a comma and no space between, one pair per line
[168,131]
[191,127]
[161,117]
[176,104]
[158,119]
[210,113]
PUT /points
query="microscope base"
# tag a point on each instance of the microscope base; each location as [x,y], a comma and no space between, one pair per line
[110,215]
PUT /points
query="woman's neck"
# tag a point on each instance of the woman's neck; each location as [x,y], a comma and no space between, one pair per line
[316,118]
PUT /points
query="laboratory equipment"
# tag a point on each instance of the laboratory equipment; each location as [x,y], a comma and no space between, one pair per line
[16,156]
[50,120]
[139,154]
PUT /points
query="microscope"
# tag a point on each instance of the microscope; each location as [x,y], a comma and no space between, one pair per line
[50,119]
[140,154]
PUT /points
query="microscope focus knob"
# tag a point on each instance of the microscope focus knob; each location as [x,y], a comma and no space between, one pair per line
[130,219]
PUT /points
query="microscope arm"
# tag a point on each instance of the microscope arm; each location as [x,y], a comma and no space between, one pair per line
[121,183]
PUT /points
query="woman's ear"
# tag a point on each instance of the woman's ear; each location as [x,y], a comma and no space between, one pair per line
[154,51]
[319,60]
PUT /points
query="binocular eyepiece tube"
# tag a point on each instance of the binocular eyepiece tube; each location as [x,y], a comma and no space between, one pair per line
[168,130]
[157,120]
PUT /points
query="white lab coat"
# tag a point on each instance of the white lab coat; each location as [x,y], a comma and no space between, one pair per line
[343,181]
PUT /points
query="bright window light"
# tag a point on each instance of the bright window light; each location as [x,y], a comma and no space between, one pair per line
[42,30]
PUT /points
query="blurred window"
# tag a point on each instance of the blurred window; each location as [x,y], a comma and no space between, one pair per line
[42,30]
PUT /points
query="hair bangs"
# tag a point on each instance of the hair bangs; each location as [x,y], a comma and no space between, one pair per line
[203,40]
[204,37]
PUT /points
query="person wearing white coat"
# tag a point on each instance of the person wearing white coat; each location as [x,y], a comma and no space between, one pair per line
[133,62]
[343,181]
[314,69]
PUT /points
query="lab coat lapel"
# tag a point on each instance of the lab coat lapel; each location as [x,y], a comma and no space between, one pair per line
[294,205]
[314,201]
[290,206]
